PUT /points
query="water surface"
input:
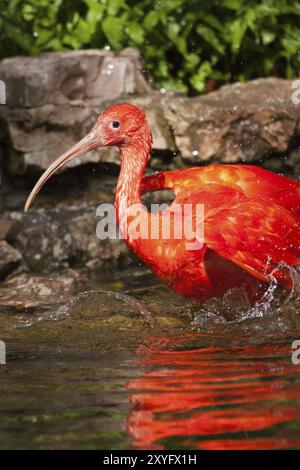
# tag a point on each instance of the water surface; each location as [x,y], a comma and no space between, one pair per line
[91,374]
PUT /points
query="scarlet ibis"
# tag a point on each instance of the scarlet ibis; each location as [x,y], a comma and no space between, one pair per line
[251,221]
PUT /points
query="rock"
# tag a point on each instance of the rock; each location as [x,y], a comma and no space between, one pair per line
[293,162]
[39,135]
[27,292]
[9,258]
[5,226]
[63,237]
[55,98]
[238,123]
[60,77]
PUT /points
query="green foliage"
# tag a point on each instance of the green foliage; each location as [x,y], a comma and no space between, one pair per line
[190,45]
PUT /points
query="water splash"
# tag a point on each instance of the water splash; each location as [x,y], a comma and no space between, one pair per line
[232,309]
[269,303]
[100,295]
[95,301]
[60,314]
[264,305]
[276,311]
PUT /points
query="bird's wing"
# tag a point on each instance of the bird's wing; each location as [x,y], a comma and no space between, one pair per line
[256,234]
[252,216]
[253,181]
[154,182]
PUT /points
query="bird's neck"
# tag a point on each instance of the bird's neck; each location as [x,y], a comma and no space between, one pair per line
[134,158]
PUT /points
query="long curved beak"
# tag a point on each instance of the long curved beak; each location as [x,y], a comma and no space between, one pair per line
[89,142]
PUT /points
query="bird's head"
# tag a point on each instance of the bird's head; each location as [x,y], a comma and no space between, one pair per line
[119,125]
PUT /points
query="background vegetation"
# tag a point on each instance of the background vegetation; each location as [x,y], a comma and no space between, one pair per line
[192,45]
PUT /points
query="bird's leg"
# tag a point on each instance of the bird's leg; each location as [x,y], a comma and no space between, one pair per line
[143,310]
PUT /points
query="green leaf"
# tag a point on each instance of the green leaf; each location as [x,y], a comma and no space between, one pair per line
[211,38]
[212,21]
[198,79]
[114,6]
[136,33]
[114,30]
[192,60]
[233,4]
[267,37]
[237,31]
[151,20]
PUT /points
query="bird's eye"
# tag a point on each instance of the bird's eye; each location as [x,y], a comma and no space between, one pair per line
[116,124]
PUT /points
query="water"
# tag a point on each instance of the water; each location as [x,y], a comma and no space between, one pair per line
[92,374]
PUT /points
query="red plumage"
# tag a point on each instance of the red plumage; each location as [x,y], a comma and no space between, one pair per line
[251,216]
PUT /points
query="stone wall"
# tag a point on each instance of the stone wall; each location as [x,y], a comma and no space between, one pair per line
[54,99]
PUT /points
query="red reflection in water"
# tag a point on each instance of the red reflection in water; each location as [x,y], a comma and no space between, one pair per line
[211,398]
